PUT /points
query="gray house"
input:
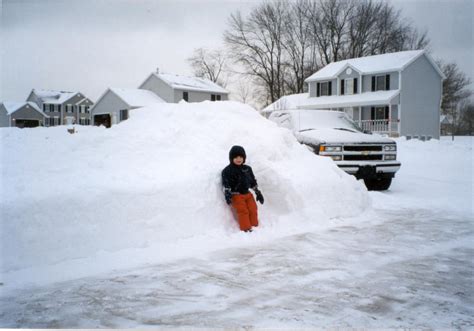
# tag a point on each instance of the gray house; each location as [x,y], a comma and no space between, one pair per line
[398,94]
[62,107]
[21,115]
[115,103]
[174,88]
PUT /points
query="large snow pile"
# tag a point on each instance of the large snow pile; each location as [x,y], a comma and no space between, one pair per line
[149,189]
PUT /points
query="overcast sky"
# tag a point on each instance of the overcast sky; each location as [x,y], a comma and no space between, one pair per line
[89,45]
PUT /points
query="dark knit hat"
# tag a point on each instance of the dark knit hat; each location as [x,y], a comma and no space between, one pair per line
[237,151]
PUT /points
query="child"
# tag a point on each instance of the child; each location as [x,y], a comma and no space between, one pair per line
[237,178]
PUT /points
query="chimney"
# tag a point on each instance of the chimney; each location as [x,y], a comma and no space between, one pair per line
[157,70]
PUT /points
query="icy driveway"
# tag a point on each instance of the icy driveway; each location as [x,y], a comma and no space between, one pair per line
[410,268]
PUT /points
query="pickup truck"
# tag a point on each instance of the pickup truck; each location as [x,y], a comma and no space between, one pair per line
[333,134]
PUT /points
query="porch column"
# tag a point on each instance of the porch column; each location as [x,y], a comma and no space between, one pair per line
[390,119]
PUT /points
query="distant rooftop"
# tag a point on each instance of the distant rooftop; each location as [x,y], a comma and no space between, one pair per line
[190,83]
[54,97]
[12,106]
[136,97]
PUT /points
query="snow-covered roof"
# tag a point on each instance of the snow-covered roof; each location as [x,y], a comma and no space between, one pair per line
[12,106]
[136,97]
[300,101]
[190,83]
[54,97]
[371,64]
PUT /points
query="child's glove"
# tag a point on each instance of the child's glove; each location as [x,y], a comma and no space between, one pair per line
[259,195]
[228,196]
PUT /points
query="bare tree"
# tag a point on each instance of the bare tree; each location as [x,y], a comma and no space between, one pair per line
[298,47]
[209,64]
[455,94]
[256,43]
[467,117]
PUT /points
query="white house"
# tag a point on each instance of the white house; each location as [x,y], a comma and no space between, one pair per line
[174,88]
[62,107]
[395,93]
[115,103]
[22,115]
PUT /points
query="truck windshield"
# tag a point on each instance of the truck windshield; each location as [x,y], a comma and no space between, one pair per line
[353,125]
[306,120]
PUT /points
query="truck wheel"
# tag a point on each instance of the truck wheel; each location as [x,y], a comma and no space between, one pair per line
[378,184]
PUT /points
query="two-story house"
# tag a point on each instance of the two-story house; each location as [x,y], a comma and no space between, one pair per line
[174,88]
[395,93]
[62,107]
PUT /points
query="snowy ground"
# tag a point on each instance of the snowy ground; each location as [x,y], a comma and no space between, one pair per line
[404,262]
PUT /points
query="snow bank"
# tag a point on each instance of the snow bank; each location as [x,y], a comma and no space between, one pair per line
[151,186]
[436,175]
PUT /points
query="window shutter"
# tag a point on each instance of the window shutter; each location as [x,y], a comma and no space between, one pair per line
[342,86]
[372,113]
[387,82]
[373,83]
[355,85]
[318,86]
[386,113]
[330,88]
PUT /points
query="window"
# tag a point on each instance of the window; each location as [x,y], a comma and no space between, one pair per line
[349,88]
[185,96]
[380,113]
[69,109]
[323,88]
[213,97]
[59,108]
[123,114]
[381,83]
[218,97]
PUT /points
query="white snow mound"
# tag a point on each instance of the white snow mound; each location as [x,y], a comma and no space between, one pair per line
[156,179]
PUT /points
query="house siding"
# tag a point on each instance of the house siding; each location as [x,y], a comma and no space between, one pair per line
[160,88]
[72,101]
[194,96]
[4,120]
[420,99]
[111,104]
[80,115]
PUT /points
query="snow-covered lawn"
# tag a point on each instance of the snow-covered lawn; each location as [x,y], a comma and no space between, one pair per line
[139,239]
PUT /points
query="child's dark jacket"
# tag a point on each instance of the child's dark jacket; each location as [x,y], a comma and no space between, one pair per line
[239,179]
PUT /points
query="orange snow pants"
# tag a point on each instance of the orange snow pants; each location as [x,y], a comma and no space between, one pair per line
[246,208]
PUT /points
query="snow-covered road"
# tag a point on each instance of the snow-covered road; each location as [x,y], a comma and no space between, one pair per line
[408,268]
